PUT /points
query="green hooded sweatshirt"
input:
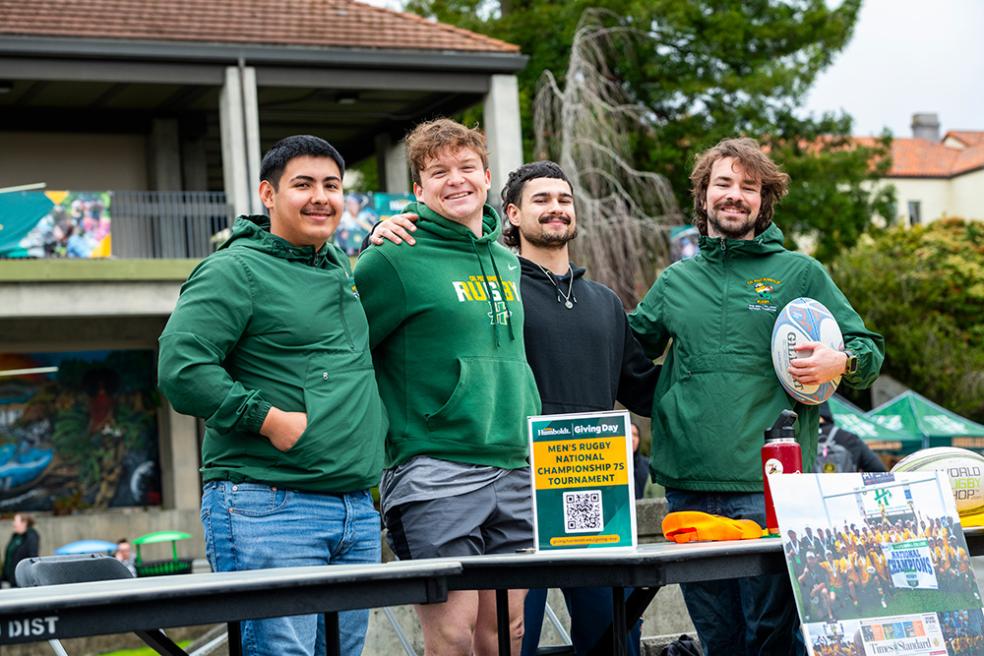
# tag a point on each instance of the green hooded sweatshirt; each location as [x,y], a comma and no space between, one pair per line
[262,322]
[718,391]
[446,328]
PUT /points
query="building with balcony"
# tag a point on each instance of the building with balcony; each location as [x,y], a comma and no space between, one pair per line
[168,105]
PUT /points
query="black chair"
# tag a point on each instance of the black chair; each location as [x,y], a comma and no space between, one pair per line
[59,570]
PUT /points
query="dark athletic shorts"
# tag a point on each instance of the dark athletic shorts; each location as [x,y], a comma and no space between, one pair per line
[495,519]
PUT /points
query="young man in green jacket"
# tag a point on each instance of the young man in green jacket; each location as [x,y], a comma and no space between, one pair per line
[446,328]
[718,392]
[270,346]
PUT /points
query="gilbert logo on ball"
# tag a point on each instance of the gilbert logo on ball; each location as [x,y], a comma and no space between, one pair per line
[803,320]
[964,468]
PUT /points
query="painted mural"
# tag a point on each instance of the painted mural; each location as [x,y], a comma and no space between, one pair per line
[78,431]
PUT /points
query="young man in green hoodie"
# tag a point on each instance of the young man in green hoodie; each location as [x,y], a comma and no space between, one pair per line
[446,328]
[269,345]
[718,392]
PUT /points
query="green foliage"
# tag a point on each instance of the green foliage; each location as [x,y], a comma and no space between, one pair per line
[923,289]
[706,70]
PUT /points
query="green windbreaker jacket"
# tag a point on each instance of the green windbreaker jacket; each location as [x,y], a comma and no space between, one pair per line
[262,322]
[718,392]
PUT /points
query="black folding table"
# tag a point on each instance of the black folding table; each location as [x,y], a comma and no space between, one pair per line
[124,605]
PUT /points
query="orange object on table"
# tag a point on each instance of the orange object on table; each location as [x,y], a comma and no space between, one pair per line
[694,526]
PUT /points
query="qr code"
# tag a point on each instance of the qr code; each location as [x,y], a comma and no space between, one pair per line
[582,511]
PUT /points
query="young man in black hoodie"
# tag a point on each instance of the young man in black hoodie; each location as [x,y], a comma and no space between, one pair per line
[578,343]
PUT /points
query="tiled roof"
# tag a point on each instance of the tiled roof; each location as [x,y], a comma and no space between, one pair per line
[966,137]
[921,158]
[327,23]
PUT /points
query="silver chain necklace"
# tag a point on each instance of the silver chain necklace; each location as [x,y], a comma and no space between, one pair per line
[568,303]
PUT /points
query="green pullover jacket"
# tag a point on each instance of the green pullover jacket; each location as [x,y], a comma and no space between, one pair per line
[446,328]
[718,392]
[262,322]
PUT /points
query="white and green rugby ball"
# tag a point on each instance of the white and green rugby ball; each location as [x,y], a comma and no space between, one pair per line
[965,469]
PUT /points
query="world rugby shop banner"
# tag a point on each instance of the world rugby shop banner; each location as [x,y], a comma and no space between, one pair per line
[583,496]
[879,564]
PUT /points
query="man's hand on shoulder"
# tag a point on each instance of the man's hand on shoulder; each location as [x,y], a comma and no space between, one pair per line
[396,229]
[822,365]
[283,429]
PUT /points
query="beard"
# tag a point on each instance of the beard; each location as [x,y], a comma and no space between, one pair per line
[543,239]
[731,229]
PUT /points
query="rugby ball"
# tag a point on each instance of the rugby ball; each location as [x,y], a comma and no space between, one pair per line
[803,320]
[965,469]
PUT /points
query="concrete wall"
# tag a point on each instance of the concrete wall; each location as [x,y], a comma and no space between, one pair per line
[121,523]
[74,161]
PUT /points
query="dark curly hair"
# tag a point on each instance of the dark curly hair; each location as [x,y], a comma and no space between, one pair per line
[748,153]
[512,192]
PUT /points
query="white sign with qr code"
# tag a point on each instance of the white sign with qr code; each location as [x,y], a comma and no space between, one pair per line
[583,511]
[581,475]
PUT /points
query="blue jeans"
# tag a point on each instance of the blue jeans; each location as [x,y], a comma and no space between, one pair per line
[740,617]
[591,613]
[254,526]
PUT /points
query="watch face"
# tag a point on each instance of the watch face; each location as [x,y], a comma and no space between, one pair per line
[852,362]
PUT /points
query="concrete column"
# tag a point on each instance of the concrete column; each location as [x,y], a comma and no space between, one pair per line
[251,111]
[503,129]
[391,164]
[164,155]
[239,125]
[180,459]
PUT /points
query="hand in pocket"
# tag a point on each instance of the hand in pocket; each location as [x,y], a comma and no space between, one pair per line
[283,429]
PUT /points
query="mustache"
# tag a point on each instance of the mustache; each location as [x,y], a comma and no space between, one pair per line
[553,217]
[732,204]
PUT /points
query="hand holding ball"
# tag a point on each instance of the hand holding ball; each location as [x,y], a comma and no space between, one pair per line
[802,322]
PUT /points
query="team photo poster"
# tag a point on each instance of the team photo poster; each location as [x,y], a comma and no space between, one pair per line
[879,564]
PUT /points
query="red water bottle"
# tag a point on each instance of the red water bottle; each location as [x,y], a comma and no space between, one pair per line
[780,455]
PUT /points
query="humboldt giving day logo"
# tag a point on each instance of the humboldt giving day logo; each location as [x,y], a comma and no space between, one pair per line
[763,289]
[478,289]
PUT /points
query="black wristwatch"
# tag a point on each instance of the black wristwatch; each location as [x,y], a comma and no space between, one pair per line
[851,366]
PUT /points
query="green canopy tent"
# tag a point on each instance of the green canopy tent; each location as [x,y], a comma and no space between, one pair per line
[878,438]
[913,413]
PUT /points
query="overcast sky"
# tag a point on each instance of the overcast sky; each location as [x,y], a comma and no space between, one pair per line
[909,56]
[906,56]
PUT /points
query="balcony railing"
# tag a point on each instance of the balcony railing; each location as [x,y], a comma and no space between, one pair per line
[168,224]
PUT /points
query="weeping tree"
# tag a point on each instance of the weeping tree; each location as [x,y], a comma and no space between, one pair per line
[587,125]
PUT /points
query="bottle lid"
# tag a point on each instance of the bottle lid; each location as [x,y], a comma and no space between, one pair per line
[783,427]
